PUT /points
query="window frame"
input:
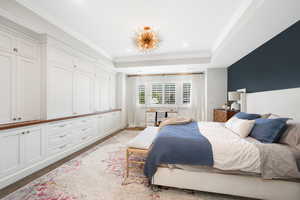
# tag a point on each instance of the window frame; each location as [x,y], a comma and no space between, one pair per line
[138,94]
[182,93]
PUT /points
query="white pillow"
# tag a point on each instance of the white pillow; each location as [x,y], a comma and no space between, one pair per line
[241,127]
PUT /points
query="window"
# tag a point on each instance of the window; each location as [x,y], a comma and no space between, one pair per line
[157,93]
[170,93]
[186,93]
[141,91]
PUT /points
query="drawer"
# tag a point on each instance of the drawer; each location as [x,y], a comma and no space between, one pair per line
[86,137]
[58,149]
[84,122]
[59,127]
[59,139]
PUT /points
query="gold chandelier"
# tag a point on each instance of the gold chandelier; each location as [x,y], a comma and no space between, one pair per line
[147,39]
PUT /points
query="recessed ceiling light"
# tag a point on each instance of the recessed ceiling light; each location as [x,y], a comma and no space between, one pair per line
[185,44]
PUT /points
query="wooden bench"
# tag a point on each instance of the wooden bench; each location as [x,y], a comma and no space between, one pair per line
[139,147]
[137,152]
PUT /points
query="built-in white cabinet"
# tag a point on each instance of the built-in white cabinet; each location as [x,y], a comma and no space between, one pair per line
[33,145]
[20,148]
[60,92]
[83,93]
[7,85]
[70,88]
[10,152]
[28,86]
[19,80]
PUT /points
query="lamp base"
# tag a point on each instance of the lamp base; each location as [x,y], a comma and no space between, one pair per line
[235,106]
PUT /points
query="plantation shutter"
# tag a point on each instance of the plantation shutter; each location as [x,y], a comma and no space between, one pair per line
[157,93]
[170,93]
[186,93]
[141,91]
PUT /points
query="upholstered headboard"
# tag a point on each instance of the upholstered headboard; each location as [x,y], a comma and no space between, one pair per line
[285,102]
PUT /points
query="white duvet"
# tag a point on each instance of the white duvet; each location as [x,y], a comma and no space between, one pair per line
[229,150]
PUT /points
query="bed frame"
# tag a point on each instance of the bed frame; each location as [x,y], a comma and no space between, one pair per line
[238,185]
[283,103]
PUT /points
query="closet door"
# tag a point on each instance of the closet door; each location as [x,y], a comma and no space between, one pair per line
[28,89]
[60,93]
[82,93]
[7,87]
[33,145]
[97,105]
[10,152]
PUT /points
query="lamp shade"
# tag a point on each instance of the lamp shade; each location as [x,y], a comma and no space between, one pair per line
[233,96]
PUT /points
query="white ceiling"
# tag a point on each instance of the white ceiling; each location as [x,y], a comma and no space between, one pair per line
[195,33]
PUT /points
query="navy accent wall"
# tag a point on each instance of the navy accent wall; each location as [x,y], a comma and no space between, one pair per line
[274,65]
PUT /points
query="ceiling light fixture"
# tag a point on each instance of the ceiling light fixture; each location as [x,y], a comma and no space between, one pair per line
[146,39]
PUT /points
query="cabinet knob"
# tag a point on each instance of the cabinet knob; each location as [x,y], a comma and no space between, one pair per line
[75,66]
[19,118]
[14,119]
[15,49]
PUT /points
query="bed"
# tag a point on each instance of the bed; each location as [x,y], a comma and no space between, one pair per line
[242,177]
[235,179]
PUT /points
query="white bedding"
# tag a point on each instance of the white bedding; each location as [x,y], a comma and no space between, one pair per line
[229,150]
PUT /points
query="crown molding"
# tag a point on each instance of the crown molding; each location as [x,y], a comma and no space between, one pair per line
[240,17]
[177,58]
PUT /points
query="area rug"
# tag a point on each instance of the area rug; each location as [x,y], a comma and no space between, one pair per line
[98,174]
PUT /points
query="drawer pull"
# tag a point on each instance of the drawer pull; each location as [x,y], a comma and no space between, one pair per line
[61,126]
[61,147]
[84,129]
[62,136]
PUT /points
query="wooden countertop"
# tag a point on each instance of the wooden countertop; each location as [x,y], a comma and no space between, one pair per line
[35,122]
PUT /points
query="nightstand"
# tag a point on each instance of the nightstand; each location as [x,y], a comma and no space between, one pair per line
[222,115]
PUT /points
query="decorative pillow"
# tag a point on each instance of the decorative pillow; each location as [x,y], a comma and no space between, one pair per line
[241,127]
[291,136]
[273,116]
[243,115]
[269,130]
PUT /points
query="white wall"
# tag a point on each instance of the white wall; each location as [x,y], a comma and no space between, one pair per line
[215,90]
[136,113]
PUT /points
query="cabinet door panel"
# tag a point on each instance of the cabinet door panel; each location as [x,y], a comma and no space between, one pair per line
[33,145]
[97,105]
[27,49]
[60,93]
[60,57]
[83,93]
[28,90]
[10,153]
[6,42]
[7,70]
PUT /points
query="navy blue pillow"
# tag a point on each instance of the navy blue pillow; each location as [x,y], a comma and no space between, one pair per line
[269,130]
[243,115]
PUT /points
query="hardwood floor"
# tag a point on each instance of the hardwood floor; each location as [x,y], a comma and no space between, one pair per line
[15,186]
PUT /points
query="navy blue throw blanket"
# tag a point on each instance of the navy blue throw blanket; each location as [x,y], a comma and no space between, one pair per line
[179,144]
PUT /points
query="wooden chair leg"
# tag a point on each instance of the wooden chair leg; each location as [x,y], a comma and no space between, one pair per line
[127,163]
